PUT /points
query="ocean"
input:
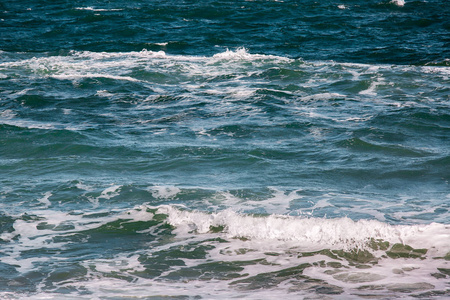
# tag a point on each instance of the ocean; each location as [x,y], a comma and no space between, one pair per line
[220,149]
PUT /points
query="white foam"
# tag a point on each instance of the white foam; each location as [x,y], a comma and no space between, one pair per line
[280,201]
[92,75]
[398,2]
[225,78]
[240,64]
[242,54]
[116,65]
[371,89]
[249,239]
[110,192]
[7,114]
[44,200]
[385,277]
[82,186]
[90,8]
[29,124]
[311,233]
[38,233]
[164,192]
[322,96]
[137,214]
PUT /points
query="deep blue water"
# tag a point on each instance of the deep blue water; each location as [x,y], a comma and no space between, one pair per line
[220,149]
[358,31]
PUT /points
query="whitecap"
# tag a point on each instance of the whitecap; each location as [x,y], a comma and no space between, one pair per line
[90,8]
[311,233]
[398,2]
[243,54]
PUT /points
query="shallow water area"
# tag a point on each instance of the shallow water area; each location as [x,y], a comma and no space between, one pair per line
[162,251]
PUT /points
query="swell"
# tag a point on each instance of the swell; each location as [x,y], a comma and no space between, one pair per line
[287,121]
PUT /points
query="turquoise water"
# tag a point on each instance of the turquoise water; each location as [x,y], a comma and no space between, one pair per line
[224,149]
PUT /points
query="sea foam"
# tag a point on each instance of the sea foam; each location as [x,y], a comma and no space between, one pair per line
[310,233]
[398,2]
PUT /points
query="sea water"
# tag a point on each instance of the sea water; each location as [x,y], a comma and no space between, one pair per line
[224,149]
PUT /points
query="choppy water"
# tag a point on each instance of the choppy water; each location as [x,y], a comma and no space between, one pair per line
[224,149]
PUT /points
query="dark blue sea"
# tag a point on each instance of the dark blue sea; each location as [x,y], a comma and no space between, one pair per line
[218,149]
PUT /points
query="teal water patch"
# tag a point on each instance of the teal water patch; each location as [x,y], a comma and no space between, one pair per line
[221,112]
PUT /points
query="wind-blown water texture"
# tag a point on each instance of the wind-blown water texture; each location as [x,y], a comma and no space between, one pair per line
[375,31]
[205,150]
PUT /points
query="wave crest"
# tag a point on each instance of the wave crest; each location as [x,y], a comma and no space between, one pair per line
[310,233]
